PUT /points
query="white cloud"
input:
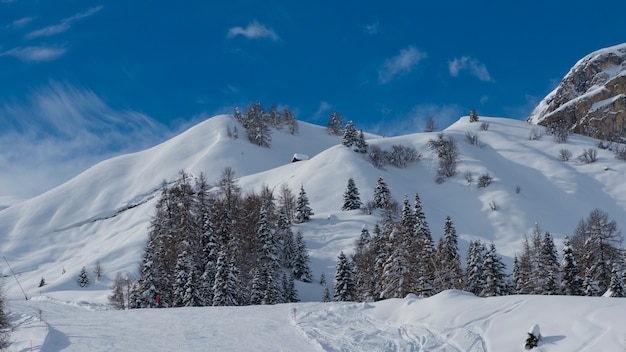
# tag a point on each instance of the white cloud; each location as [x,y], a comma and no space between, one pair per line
[62,26]
[60,130]
[400,64]
[475,68]
[19,23]
[254,30]
[36,53]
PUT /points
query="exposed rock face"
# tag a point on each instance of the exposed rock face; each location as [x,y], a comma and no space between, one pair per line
[591,98]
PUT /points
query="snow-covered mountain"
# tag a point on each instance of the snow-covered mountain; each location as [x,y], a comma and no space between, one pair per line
[103,213]
[591,98]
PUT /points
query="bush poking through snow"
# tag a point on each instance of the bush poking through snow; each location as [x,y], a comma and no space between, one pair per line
[565,154]
[532,340]
[484,180]
[589,156]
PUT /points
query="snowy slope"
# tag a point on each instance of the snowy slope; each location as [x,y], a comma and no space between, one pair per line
[449,321]
[103,213]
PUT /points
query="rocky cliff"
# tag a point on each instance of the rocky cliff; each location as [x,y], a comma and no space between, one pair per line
[591,98]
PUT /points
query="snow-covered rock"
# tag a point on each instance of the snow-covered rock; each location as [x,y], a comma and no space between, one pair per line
[591,97]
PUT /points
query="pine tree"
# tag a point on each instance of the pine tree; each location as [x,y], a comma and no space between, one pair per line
[616,288]
[475,267]
[364,263]
[396,278]
[407,217]
[450,274]
[597,242]
[549,265]
[473,117]
[324,284]
[183,270]
[286,241]
[571,282]
[83,279]
[290,293]
[360,146]
[226,285]
[350,135]
[344,280]
[494,276]
[303,210]
[335,124]
[116,299]
[351,199]
[522,271]
[590,286]
[382,195]
[301,269]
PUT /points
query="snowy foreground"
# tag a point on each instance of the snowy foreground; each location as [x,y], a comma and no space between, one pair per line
[450,321]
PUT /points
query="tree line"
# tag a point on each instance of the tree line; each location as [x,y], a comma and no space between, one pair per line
[400,257]
[220,247]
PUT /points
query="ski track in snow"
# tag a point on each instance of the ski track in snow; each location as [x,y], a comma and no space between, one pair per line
[349,328]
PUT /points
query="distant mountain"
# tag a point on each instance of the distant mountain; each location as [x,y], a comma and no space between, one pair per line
[103,213]
[591,98]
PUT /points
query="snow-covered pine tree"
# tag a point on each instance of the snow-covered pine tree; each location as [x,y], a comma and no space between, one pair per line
[301,270]
[227,285]
[549,259]
[286,241]
[494,276]
[616,288]
[303,210]
[325,293]
[396,278]
[351,198]
[183,270]
[363,262]
[360,146]
[597,242]
[83,279]
[571,282]
[590,286]
[335,124]
[192,296]
[290,293]
[475,267]
[344,279]
[422,251]
[522,271]
[450,274]
[349,135]
[407,217]
[382,195]
[473,117]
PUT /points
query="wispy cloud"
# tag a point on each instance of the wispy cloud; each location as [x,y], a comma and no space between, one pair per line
[254,30]
[400,64]
[58,131]
[20,23]
[36,53]
[62,26]
[373,28]
[475,68]
[323,108]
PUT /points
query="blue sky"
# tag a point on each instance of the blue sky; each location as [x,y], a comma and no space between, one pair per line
[83,80]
